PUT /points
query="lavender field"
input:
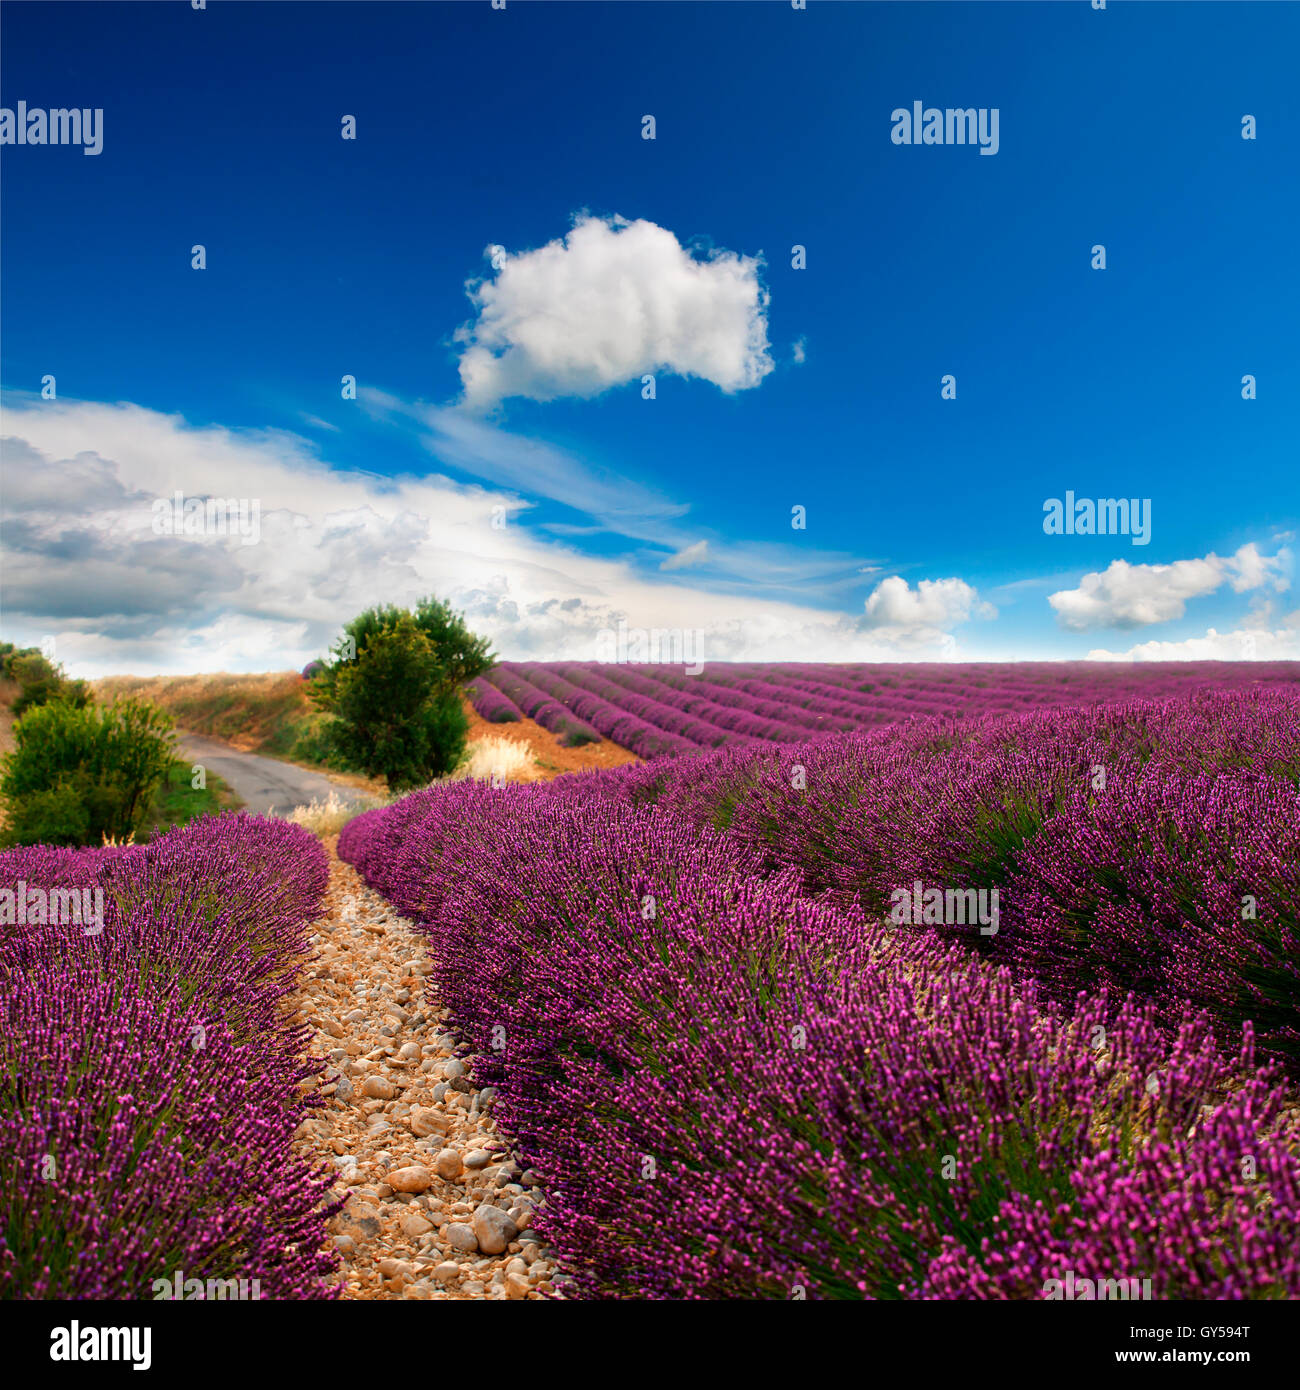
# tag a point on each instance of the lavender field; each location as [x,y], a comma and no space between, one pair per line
[649,653]
[966,1005]
[962,1006]
[661,709]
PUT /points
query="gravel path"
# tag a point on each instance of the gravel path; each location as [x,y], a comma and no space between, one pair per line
[263,784]
[437,1208]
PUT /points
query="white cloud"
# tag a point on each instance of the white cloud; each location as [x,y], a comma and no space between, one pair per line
[1125,595]
[84,565]
[688,556]
[1248,569]
[1248,643]
[610,302]
[536,467]
[922,615]
[317,423]
[1133,595]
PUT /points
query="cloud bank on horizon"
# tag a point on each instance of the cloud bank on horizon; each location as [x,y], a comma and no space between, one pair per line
[87,566]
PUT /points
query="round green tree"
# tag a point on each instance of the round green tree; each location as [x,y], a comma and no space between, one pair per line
[393,688]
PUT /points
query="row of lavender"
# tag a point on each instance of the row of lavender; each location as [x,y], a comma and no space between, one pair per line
[150,1081]
[657,710]
[1148,845]
[742,1075]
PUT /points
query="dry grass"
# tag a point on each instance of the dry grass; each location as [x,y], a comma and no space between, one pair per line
[552,757]
[328,815]
[486,759]
[494,758]
[262,713]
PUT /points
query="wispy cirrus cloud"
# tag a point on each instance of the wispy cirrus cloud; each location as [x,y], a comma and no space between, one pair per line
[617,505]
[687,557]
[530,466]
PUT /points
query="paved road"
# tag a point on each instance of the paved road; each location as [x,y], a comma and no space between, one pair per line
[263,784]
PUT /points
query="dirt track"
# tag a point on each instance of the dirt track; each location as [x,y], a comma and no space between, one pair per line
[263,784]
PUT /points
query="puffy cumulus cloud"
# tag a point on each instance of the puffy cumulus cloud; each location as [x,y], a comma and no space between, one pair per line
[1248,569]
[688,556]
[922,616]
[119,598]
[607,304]
[1125,595]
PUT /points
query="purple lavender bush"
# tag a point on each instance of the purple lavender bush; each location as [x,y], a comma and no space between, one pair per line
[150,1082]
[540,706]
[734,1088]
[492,704]
[1183,886]
[1146,845]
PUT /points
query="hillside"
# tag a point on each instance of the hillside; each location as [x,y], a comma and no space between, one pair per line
[266,713]
[269,714]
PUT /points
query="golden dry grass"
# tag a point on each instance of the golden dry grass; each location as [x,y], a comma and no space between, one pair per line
[492,758]
[261,713]
[552,757]
[328,815]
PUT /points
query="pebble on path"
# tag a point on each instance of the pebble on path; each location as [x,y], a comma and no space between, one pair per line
[436,1204]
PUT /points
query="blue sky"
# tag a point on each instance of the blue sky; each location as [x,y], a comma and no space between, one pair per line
[774,386]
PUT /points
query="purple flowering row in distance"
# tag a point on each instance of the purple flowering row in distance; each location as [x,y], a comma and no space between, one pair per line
[662,710]
[739,1077]
[150,1081]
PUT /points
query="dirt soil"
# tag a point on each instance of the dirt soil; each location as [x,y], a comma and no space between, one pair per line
[552,756]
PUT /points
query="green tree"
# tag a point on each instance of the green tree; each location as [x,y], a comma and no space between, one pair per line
[393,686]
[460,655]
[78,773]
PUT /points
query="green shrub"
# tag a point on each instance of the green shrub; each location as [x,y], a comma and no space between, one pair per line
[38,679]
[58,816]
[78,773]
